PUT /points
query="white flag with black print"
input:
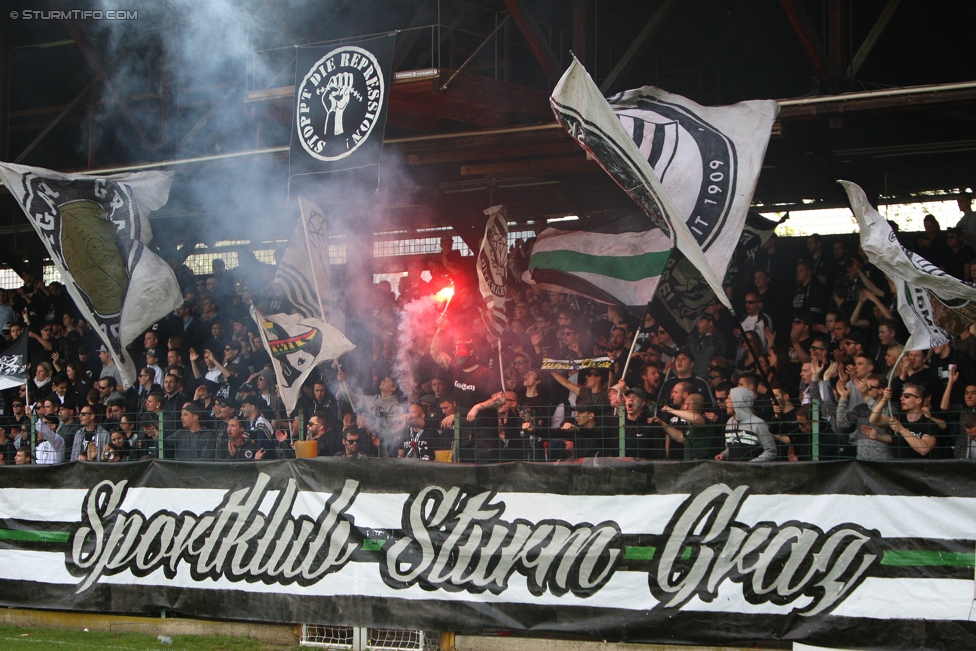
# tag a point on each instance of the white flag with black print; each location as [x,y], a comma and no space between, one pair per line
[97,230]
[13,363]
[493,268]
[692,169]
[933,304]
[304,277]
[299,335]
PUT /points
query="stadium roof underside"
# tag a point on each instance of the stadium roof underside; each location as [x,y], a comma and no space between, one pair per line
[882,92]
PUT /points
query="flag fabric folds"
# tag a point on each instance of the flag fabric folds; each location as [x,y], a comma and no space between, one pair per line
[620,260]
[13,363]
[681,298]
[96,230]
[297,344]
[493,269]
[691,169]
[296,331]
[304,276]
[339,118]
[933,304]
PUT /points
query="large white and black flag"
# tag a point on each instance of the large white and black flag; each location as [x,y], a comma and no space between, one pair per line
[96,230]
[933,304]
[13,363]
[692,169]
[341,96]
[301,327]
[493,269]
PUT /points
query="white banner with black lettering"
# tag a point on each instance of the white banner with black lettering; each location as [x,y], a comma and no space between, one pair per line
[868,555]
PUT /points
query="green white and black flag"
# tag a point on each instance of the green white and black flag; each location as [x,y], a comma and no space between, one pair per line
[619,260]
[341,95]
[97,230]
[691,169]
[13,363]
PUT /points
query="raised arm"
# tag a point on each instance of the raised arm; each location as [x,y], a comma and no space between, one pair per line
[575,388]
[437,345]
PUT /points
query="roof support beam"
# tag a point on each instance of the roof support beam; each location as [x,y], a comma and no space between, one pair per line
[583,22]
[533,35]
[282,26]
[623,66]
[872,38]
[78,35]
[808,39]
[202,122]
[56,121]
[408,37]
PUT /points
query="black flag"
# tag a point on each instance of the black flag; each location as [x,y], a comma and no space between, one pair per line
[341,94]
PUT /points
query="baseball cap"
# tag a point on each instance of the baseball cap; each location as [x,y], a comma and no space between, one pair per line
[253,400]
[636,391]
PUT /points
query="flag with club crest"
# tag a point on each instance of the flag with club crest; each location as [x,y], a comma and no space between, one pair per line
[691,169]
[96,230]
[296,330]
[492,270]
[933,304]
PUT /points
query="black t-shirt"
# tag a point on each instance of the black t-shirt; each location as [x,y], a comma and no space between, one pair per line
[473,387]
[421,444]
[643,441]
[7,452]
[919,428]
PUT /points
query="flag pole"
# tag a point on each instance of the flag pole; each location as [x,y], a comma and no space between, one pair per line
[311,265]
[501,369]
[755,356]
[633,344]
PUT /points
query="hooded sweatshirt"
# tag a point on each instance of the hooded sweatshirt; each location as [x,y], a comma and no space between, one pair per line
[747,438]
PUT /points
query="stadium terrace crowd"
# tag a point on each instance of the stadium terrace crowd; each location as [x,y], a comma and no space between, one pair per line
[804,375]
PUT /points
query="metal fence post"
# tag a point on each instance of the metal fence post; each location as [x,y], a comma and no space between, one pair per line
[159,438]
[815,424]
[457,438]
[623,432]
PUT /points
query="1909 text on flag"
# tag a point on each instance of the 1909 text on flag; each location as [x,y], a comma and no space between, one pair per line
[691,169]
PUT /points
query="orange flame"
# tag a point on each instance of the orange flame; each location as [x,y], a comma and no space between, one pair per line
[445,294]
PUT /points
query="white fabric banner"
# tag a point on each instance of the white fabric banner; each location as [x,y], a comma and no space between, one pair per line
[96,230]
[707,158]
[712,182]
[933,304]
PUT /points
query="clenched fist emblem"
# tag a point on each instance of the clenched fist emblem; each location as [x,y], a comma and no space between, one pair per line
[335,98]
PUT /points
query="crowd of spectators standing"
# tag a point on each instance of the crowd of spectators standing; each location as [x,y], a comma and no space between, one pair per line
[803,375]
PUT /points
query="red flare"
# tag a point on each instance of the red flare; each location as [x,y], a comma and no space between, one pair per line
[445,294]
